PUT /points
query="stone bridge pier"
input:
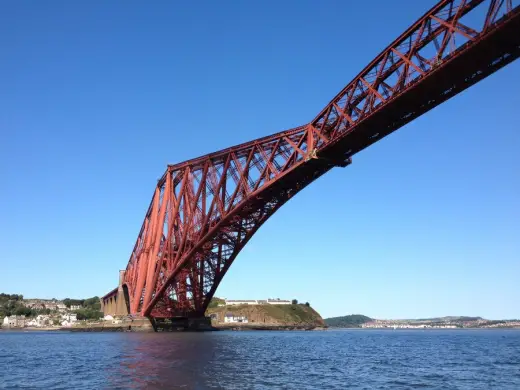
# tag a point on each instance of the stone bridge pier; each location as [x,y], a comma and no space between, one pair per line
[115,303]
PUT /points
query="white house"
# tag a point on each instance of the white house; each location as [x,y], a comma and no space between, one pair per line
[15,321]
[51,305]
[230,317]
[6,321]
[70,317]
[278,301]
[33,322]
[42,320]
[231,302]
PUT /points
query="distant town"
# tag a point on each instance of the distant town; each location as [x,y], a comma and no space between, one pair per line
[450,322]
[442,324]
[17,312]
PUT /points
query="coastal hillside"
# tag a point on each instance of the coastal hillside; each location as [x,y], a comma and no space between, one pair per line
[294,315]
[350,321]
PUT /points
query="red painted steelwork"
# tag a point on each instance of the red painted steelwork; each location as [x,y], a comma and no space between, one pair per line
[206,209]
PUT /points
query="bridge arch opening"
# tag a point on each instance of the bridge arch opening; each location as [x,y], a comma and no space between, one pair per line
[126,297]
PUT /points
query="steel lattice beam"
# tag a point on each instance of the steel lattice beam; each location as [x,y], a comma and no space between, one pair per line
[205,210]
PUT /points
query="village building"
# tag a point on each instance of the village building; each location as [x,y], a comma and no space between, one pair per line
[34,304]
[278,301]
[70,317]
[231,302]
[33,323]
[42,320]
[14,322]
[51,305]
[230,317]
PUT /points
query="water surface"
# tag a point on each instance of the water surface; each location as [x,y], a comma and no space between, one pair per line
[358,359]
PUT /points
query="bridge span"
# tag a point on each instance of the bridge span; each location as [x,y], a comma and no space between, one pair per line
[205,210]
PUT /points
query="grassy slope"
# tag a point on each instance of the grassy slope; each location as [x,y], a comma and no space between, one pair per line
[289,315]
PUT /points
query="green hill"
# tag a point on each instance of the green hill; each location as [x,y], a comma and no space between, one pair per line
[296,315]
[216,301]
[350,321]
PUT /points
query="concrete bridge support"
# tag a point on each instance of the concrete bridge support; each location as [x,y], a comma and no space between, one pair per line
[115,303]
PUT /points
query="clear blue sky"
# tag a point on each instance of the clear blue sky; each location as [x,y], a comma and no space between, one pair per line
[98,97]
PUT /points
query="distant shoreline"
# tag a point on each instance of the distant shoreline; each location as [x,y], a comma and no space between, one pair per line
[242,328]
[427,329]
[122,328]
[31,329]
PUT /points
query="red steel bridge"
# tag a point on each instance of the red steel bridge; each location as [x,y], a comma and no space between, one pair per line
[205,210]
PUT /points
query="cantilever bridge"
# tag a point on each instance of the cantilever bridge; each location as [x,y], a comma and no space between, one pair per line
[205,210]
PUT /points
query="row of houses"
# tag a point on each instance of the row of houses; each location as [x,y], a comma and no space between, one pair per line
[230,318]
[51,305]
[277,301]
[40,321]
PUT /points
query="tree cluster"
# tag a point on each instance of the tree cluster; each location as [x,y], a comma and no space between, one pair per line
[90,303]
[10,297]
[12,304]
[295,302]
[88,314]
[90,308]
[215,302]
[350,321]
